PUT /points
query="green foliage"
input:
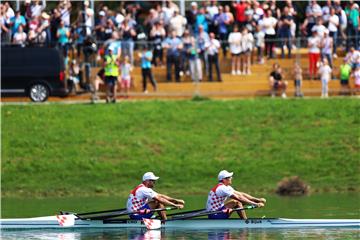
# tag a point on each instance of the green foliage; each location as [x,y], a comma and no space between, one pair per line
[103,149]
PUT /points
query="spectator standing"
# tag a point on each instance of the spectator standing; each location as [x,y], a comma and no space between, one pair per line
[111,75]
[100,24]
[16,21]
[36,8]
[202,38]
[74,76]
[178,23]
[326,9]
[235,49]
[325,76]
[109,29]
[258,11]
[286,21]
[247,43]
[128,32]
[276,81]
[319,28]
[269,24]
[157,34]
[212,48]
[222,20]
[63,35]
[353,26]
[201,20]
[126,69]
[191,16]
[173,44]
[64,8]
[240,12]
[314,43]
[88,18]
[313,11]
[187,39]
[260,44]
[352,57]
[345,72]
[298,80]
[333,26]
[54,25]
[195,62]
[20,37]
[4,26]
[326,47]
[212,11]
[356,75]
[146,59]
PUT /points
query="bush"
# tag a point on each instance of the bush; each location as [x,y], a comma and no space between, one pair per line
[292,186]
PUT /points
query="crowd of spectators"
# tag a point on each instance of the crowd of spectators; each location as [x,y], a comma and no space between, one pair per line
[192,41]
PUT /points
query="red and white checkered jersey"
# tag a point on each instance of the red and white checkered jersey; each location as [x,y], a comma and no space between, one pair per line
[139,196]
[217,196]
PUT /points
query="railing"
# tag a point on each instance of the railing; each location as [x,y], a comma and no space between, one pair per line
[249,85]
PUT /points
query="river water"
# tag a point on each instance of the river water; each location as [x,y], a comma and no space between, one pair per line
[313,206]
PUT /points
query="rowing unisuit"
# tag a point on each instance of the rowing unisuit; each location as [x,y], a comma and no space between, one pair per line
[143,199]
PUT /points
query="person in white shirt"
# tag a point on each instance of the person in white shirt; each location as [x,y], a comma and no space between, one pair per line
[260,44]
[235,49]
[212,48]
[178,23]
[224,198]
[36,8]
[89,20]
[269,24]
[143,198]
[314,43]
[333,29]
[325,76]
[247,45]
[20,37]
[319,27]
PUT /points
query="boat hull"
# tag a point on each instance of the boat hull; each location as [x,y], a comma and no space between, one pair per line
[51,222]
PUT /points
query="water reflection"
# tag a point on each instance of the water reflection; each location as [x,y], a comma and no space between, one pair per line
[142,234]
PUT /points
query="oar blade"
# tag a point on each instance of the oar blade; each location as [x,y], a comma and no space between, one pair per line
[152,224]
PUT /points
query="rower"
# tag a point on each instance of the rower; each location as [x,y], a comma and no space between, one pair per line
[224,197]
[143,198]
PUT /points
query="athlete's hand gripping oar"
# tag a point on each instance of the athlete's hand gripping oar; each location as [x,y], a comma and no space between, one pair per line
[205,213]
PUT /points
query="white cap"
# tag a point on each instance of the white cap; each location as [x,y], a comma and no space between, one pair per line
[224,174]
[101,13]
[194,4]
[149,176]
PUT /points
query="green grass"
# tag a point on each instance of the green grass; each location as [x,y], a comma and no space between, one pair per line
[52,150]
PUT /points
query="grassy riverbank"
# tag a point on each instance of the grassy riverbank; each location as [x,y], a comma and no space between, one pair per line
[55,150]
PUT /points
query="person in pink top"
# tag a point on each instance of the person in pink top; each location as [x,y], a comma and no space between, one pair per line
[224,197]
[143,198]
[356,75]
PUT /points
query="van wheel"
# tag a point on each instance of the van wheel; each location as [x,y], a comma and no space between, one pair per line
[38,92]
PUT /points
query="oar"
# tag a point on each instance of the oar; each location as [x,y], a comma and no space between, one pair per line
[118,214]
[187,212]
[204,213]
[105,211]
[156,223]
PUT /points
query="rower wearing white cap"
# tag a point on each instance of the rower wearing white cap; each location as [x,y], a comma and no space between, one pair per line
[224,197]
[143,198]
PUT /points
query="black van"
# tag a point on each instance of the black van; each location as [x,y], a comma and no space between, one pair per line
[35,72]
